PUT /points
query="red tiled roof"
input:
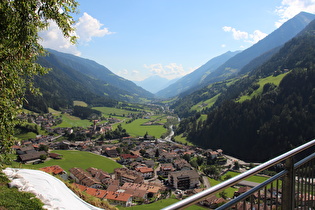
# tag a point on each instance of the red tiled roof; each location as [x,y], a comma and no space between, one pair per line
[118,196]
[16,147]
[96,192]
[52,169]
[81,187]
[144,170]
[127,156]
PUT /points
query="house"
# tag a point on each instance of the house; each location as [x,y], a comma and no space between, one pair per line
[184,179]
[212,202]
[64,145]
[126,175]
[150,190]
[55,155]
[128,157]
[119,198]
[149,163]
[241,190]
[55,170]
[146,172]
[83,177]
[111,152]
[167,157]
[32,156]
[220,152]
[135,165]
[211,154]
[98,174]
[181,164]
[165,169]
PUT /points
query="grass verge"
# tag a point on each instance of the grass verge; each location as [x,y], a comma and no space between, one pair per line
[11,198]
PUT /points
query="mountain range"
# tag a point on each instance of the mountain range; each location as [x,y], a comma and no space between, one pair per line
[224,69]
[196,77]
[155,83]
[262,114]
[74,78]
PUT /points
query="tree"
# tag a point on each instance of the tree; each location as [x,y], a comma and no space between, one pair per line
[21,20]
[186,157]
[157,153]
[223,194]
[43,147]
[200,160]
[236,165]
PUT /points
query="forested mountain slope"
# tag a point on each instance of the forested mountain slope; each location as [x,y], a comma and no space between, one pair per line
[195,78]
[277,38]
[271,123]
[74,78]
[99,72]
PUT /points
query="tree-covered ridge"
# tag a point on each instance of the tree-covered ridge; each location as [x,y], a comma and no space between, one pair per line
[271,123]
[265,126]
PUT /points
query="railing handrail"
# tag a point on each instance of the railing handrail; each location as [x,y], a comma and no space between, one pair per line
[265,183]
[230,182]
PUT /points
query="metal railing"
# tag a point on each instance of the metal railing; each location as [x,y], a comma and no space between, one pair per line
[292,188]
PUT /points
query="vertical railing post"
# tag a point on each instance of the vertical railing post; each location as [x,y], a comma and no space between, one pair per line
[288,186]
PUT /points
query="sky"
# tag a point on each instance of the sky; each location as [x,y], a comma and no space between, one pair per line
[136,39]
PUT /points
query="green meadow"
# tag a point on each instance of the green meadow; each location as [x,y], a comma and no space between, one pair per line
[80,159]
[230,191]
[205,104]
[135,128]
[183,140]
[111,111]
[80,103]
[159,205]
[271,79]
[258,179]
[69,121]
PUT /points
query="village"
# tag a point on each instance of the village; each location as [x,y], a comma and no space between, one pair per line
[152,169]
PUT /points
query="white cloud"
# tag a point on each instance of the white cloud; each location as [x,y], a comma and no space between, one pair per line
[290,8]
[237,34]
[256,36]
[87,27]
[245,36]
[133,75]
[123,72]
[169,71]
[54,39]
[223,45]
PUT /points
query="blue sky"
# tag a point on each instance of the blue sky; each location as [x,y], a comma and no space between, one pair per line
[136,39]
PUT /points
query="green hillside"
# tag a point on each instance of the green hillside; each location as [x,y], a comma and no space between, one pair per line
[261,83]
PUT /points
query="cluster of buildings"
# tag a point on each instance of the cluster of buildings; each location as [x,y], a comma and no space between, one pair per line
[151,168]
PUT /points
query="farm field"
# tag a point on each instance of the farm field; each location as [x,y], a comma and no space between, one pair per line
[110,111]
[136,128]
[80,159]
[69,121]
